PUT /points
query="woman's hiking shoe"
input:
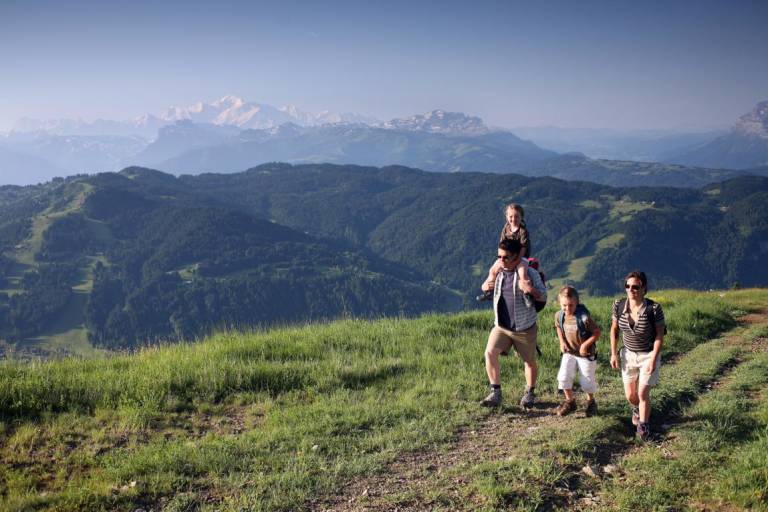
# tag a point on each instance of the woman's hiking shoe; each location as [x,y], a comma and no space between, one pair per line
[635,416]
[643,431]
[493,399]
[484,296]
[591,408]
[567,407]
[528,399]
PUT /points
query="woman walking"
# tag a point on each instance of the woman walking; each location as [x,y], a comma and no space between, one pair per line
[641,322]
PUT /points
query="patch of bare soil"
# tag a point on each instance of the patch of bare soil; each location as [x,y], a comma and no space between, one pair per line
[413,474]
[758,317]
[759,345]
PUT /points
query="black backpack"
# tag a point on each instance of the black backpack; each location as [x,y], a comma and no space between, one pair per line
[534,264]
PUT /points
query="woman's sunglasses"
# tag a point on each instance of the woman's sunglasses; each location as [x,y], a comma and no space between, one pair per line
[634,287]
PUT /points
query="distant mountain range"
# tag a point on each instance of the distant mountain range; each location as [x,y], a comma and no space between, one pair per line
[745,146]
[229,110]
[140,256]
[230,135]
[624,145]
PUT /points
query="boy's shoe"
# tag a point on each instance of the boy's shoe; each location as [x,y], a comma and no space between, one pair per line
[484,296]
[643,431]
[528,299]
[591,409]
[528,399]
[567,407]
[493,399]
[635,416]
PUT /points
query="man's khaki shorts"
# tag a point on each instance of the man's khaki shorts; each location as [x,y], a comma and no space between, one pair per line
[634,366]
[501,340]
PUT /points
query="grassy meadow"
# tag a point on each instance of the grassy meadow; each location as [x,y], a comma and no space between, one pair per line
[284,419]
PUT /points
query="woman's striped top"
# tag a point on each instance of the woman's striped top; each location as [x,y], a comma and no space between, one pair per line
[639,336]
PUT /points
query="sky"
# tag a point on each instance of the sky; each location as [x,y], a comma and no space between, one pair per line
[600,64]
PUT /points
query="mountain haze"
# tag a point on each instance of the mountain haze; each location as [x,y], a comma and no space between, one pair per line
[231,134]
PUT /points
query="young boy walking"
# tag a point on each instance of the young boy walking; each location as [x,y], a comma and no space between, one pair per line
[578,334]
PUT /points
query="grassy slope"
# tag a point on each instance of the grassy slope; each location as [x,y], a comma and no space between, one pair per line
[67,334]
[269,420]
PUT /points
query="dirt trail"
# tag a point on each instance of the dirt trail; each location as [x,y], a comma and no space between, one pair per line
[496,438]
[414,474]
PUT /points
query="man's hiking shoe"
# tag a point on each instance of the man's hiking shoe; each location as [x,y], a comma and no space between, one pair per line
[528,399]
[493,399]
[635,416]
[528,299]
[591,408]
[643,431]
[567,407]
[484,296]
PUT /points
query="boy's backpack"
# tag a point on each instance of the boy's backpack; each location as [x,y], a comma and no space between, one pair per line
[582,313]
[534,264]
[651,315]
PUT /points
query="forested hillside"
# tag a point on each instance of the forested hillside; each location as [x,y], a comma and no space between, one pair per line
[124,259]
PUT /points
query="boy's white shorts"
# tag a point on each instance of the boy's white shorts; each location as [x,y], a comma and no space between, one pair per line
[568,366]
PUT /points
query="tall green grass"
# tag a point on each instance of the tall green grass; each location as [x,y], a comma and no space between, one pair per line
[319,403]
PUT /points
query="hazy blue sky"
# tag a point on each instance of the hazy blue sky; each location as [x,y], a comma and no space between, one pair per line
[572,63]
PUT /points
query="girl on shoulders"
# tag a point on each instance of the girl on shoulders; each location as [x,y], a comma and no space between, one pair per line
[515,229]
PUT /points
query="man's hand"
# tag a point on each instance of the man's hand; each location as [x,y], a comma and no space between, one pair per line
[614,362]
[487,285]
[651,366]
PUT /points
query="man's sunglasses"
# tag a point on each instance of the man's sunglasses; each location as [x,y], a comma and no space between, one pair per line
[506,258]
[634,287]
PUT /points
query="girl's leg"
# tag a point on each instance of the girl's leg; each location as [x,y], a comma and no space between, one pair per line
[492,273]
[522,270]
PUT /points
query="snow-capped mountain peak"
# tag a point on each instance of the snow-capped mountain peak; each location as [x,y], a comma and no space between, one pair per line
[754,122]
[440,121]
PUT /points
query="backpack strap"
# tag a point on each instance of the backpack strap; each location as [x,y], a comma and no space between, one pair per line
[652,316]
[582,310]
[622,305]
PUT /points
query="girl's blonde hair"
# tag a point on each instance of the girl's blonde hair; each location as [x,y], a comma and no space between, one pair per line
[568,292]
[518,208]
[515,206]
